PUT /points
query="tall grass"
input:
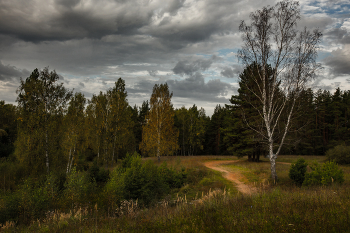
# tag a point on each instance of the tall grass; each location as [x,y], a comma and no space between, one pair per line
[206,204]
[293,210]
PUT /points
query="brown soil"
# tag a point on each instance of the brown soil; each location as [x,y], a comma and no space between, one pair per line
[233,177]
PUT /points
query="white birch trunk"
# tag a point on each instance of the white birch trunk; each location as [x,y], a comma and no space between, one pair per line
[46,143]
[69,158]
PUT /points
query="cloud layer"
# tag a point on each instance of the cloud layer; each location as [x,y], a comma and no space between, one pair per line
[186,43]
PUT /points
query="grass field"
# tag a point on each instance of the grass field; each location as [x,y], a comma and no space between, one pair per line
[209,203]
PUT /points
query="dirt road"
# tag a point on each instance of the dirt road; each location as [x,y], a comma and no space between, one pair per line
[233,177]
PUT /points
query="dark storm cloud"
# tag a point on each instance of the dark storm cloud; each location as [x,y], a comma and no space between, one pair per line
[189,68]
[68,3]
[339,35]
[66,20]
[339,61]
[195,87]
[153,73]
[8,72]
[231,72]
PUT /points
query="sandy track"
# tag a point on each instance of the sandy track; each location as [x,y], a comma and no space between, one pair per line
[233,177]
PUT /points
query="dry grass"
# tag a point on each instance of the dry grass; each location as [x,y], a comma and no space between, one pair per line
[280,208]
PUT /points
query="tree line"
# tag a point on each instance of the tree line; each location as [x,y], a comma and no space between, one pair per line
[52,128]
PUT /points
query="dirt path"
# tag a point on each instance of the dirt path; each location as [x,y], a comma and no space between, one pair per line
[233,177]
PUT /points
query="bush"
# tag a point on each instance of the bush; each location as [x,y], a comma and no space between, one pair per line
[325,174]
[339,154]
[144,182]
[126,163]
[113,192]
[100,175]
[297,171]
[171,177]
[78,189]
[30,201]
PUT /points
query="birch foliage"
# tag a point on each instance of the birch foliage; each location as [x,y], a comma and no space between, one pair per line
[41,102]
[159,136]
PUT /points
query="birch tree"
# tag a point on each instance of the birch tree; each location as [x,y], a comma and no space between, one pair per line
[121,118]
[159,136]
[272,39]
[41,101]
[74,125]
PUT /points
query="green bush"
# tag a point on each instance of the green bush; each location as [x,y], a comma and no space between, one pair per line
[339,154]
[297,171]
[171,177]
[31,201]
[126,162]
[78,189]
[144,182]
[100,175]
[113,192]
[325,174]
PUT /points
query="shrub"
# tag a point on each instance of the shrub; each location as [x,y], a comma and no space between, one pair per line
[325,174]
[77,188]
[100,175]
[144,182]
[171,177]
[31,201]
[113,192]
[339,154]
[126,163]
[297,171]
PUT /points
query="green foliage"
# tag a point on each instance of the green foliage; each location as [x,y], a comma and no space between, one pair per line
[339,154]
[77,188]
[141,181]
[113,192]
[171,177]
[100,175]
[126,163]
[325,174]
[297,171]
[32,200]
[144,182]
[8,128]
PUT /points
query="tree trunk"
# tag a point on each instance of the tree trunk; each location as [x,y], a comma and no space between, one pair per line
[273,162]
[113,149]
[70,155]
[72,158]
[47,154]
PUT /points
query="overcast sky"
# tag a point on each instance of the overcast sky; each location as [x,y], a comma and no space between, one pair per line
[190,44]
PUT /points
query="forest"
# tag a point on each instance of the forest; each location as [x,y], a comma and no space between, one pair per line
[63,152]
[68,129]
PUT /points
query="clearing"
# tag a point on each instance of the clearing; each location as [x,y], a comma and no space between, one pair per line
[233,177]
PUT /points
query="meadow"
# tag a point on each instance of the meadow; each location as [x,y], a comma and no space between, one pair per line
[209,203]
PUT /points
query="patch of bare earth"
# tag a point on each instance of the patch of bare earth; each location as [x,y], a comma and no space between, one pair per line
[234,177]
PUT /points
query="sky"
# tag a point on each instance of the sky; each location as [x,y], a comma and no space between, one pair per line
[189,44]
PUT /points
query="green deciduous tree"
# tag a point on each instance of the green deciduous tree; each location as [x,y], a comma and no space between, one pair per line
[121,131]
[41,101]
[159,135]
[109,122]
[74,128]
